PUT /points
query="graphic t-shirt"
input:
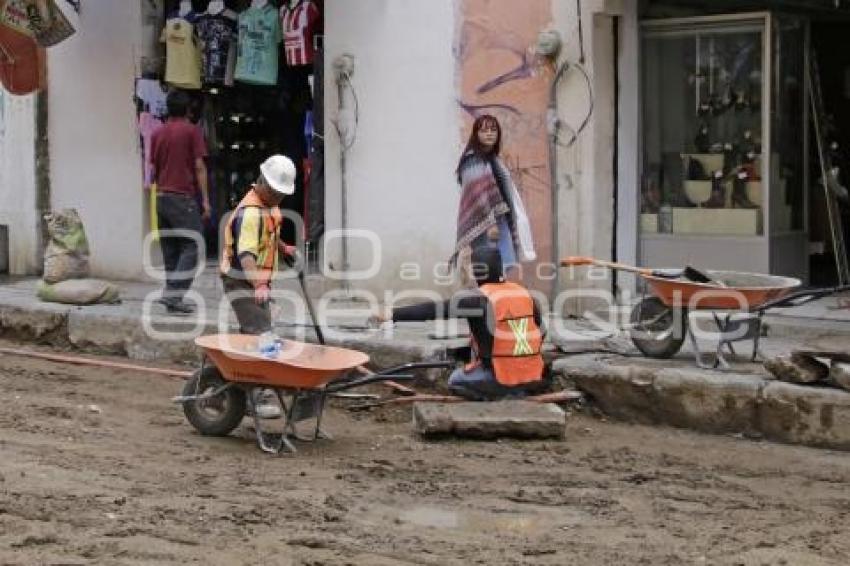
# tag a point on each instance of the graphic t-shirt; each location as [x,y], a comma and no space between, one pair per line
[183,58]
[257,53]
[300,24]
[216,35]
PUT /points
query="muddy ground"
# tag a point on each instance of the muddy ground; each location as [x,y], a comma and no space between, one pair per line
[98,467]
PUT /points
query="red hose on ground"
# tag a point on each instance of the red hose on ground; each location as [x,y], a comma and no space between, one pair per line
[80,361]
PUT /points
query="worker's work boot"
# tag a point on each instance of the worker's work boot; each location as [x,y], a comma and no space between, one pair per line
[176,305]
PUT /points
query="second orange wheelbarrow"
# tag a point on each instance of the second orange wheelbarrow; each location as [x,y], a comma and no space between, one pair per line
[660,324]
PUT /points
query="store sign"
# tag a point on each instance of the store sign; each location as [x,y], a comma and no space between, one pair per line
[40,19]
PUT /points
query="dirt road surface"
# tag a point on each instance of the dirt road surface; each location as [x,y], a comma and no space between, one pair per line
[98,467]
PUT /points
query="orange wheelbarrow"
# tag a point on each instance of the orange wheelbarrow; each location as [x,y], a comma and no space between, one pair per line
[302,376]
[660,324]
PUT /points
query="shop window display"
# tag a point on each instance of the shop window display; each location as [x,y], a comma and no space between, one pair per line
[251,95]
[703,134]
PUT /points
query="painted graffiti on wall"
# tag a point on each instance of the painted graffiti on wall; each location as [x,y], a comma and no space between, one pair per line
[499,74]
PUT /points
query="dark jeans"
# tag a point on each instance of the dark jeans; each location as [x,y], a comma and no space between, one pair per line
[478,384]
[179,254]
[253,318]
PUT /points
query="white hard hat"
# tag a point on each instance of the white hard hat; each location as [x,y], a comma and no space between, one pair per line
[279,172]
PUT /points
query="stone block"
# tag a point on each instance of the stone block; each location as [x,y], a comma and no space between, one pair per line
[815,416]
[796,368]
[516,419]
[708,401]
[839,373]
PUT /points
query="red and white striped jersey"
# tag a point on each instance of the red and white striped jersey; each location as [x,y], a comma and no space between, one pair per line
[299,24]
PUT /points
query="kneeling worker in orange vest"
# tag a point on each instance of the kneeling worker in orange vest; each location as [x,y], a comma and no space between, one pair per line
[506,328]
[249,257]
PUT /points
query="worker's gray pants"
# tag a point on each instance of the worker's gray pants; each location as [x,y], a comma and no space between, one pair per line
[253,318]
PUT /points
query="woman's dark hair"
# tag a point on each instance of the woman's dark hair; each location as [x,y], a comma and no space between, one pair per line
[177,103]
[474,144]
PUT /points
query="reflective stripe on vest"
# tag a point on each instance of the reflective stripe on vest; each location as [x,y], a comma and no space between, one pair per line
[517,340]
[270,218]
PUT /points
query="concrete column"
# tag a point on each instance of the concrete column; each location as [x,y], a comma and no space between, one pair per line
[586,169]
[18,210]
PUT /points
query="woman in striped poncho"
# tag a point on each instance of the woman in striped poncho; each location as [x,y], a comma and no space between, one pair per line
[490,205]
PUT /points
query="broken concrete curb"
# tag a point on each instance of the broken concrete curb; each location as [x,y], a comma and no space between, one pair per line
[814,416]
[711,403]
[46,326]
[719,402]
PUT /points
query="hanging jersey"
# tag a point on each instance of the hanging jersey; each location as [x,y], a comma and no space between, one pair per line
[183,57]
[257,50]
[300,25]
[216,35]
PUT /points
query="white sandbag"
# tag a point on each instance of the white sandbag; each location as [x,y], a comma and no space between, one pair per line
[79,292]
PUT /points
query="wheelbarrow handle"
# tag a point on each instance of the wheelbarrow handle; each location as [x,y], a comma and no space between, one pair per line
[345,385]
[800,298]
[397,373]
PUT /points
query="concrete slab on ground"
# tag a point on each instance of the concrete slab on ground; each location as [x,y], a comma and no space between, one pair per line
[515,419]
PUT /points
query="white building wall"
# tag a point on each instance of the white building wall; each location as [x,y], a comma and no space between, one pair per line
[95,163]
[17,181]
[401,181]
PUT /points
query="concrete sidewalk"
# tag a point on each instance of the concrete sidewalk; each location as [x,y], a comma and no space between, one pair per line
[745,400]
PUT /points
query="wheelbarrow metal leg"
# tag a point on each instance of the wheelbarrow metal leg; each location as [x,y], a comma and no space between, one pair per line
[698,355]
[266,440]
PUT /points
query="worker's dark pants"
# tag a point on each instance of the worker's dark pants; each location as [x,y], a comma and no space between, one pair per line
[479,384]
[179,254]
[253,318]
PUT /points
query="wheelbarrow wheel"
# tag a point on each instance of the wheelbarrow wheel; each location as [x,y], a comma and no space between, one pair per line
[219,415]
[657,330]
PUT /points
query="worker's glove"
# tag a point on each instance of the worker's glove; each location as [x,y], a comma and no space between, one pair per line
[262,294]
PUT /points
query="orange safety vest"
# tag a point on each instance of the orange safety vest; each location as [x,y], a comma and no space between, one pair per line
[517,339]
[271,219]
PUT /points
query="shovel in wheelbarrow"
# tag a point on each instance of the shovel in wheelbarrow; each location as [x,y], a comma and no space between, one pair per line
[688,272]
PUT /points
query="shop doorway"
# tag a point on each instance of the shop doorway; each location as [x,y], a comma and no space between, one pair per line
[245,122]
[829,40]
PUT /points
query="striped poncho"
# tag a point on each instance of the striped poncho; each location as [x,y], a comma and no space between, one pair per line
[487,194]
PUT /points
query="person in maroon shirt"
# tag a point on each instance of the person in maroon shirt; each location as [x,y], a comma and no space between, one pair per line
[177,162]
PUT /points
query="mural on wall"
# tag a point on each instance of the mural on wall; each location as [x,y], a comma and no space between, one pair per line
[498,74]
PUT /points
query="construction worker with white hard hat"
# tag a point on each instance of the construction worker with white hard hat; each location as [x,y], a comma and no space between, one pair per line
[252,244]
